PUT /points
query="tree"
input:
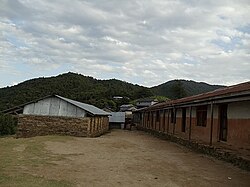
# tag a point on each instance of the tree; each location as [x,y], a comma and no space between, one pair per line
[178,90]
[143,93]
[8,124]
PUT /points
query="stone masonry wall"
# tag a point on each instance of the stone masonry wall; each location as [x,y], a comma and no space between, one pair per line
[34,125]
[98,125]
[214,151]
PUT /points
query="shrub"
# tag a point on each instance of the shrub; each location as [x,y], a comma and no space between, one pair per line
[8,124]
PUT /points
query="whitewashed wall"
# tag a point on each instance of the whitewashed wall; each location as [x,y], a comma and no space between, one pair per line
[53,106]
[117,117]
[239,110]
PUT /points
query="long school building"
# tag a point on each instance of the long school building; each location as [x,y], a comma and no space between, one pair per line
[222,115]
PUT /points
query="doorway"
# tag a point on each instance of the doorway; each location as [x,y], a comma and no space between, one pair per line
[223,122]
[183,126]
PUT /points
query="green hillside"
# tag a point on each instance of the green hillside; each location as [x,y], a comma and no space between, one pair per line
[74,86]
[96,92]
[181,88]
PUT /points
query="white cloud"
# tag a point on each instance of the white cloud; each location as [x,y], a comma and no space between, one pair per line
[144,42]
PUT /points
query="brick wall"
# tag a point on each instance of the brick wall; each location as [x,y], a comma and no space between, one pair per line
[33,125]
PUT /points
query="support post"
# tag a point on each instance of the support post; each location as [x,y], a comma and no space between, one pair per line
[164,120]
[211,123]
[168,123]
[152,120]
[175,111]
[144,120]
[190,122]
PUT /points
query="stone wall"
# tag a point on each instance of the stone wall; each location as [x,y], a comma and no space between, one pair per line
[34,125]
[98,125]
[222,154]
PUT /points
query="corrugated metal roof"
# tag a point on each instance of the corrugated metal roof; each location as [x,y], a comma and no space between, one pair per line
[89,108]
[147,100]
[218,93]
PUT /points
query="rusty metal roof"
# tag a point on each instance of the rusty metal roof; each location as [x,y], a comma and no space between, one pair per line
[220,93]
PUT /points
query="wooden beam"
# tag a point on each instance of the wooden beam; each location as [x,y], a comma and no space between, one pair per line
[190,123]
[211,123]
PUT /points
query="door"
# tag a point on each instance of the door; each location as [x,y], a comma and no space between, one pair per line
[223,122]
[183,126]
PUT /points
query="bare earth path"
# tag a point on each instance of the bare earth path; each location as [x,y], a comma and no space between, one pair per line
[131,158]
[137,159]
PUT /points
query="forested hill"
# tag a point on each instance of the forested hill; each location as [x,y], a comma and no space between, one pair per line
[97,92]
[74,86]
[181,88]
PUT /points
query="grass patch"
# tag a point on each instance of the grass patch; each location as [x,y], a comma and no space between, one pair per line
[25,180]
[20,158]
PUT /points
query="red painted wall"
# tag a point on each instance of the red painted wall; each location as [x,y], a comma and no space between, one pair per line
[239,132]
[238,129]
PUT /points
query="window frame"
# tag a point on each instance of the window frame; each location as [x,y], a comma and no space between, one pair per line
[201,116]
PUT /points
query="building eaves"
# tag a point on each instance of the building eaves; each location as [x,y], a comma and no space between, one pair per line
[20,107]
[147,100]
[89,108]
[92,110]
[238,90]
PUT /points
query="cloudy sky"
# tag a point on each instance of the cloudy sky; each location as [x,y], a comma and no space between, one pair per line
[146,42]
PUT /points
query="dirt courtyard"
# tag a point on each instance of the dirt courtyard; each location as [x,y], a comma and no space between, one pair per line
[120,158]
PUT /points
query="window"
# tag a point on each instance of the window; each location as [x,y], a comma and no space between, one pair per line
[201,116]
[183,126]
[157,115]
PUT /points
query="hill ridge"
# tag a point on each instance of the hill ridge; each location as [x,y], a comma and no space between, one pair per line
[95,91]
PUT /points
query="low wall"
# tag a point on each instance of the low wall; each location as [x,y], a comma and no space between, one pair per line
[98,126]
[203,148]
[34,125]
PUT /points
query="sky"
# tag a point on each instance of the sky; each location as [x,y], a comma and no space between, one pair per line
[145,42]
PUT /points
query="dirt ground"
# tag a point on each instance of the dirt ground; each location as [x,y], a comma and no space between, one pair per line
[131,158]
